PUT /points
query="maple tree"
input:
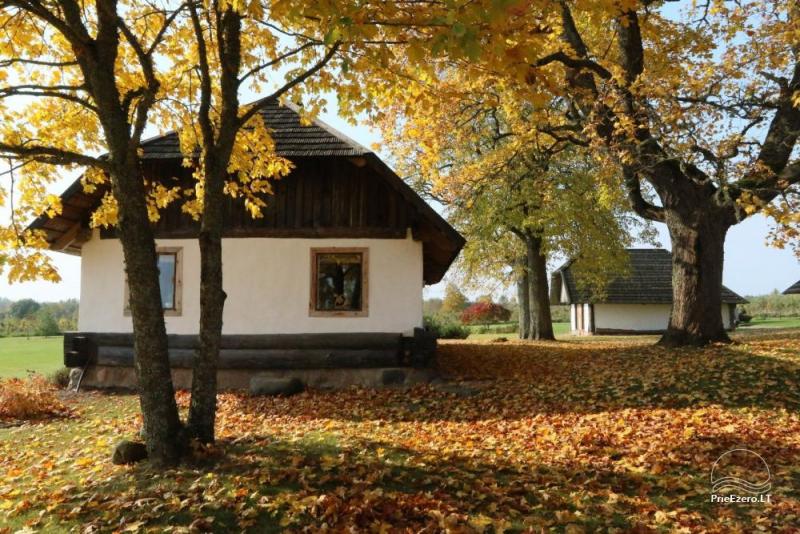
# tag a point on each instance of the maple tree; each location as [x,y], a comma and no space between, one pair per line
[235,44]
[232,45]
[80,79]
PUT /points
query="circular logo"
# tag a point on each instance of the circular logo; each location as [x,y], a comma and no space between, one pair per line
[740,470]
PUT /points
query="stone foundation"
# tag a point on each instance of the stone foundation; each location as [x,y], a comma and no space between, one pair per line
[124,377]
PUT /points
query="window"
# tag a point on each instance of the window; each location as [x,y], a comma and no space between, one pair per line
[167,272]
[169,280]
[339,282]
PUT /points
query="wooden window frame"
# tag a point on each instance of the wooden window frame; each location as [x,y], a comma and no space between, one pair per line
[364,311]
[177,283]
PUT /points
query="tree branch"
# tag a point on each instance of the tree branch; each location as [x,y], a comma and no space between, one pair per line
[53,155]
[275,61]
[639,205]
[258,106]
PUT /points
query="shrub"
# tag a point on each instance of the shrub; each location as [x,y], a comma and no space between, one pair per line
[559,313]
[445,327]
[59,378]
[31,398]
[484,312]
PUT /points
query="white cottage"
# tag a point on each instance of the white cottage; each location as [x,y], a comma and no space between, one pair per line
[330,278]
[639,303]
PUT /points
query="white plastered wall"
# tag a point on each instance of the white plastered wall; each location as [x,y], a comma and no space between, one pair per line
[573,317]
[639,316]
[632,316]
[268,283]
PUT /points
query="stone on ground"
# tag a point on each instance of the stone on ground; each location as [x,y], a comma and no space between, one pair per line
[129,452]
[271,387]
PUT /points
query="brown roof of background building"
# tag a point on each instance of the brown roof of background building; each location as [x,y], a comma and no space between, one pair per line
[649,282]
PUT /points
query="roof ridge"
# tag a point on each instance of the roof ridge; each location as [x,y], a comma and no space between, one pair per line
[330,129]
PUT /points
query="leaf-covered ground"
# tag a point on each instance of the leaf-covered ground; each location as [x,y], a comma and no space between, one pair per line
[605,435]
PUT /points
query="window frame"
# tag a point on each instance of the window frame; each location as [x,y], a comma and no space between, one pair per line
[177,284]
[312,307]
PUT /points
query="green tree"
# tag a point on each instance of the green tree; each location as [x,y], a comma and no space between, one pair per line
[46,324]
[22,309]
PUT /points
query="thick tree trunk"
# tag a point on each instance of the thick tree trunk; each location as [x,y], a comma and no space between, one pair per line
[697,261]
[541,323]
[162,426]
[523,301]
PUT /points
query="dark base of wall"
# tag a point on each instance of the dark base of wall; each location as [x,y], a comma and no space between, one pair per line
[622,332]
[318,360]
[124,378]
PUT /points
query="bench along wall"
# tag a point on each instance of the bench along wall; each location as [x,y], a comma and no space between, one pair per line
[268,283]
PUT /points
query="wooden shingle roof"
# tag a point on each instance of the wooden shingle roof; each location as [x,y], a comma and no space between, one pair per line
[292,139]
[649,282]
[794,289]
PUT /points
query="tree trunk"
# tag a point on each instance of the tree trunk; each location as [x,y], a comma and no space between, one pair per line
[162,426]
[217,148]
[203,405]
[697,261]
[541,324]
[524,307]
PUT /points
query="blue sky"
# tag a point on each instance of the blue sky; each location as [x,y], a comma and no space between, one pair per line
[751,267]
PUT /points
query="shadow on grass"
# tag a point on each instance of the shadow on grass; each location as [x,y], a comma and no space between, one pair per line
[259,484]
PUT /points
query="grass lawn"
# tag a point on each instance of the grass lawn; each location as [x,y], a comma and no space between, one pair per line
[559,329]
[573,436]
[18,355]
[772,322]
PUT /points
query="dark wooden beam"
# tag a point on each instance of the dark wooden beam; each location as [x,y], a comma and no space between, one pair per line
[76,234]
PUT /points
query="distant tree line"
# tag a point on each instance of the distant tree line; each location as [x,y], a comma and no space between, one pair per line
[28,317]
[773,305]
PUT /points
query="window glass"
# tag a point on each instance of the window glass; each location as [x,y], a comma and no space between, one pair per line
[339,281]
[166,278]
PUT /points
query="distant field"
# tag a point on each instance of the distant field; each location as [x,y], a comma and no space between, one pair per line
[18,355]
